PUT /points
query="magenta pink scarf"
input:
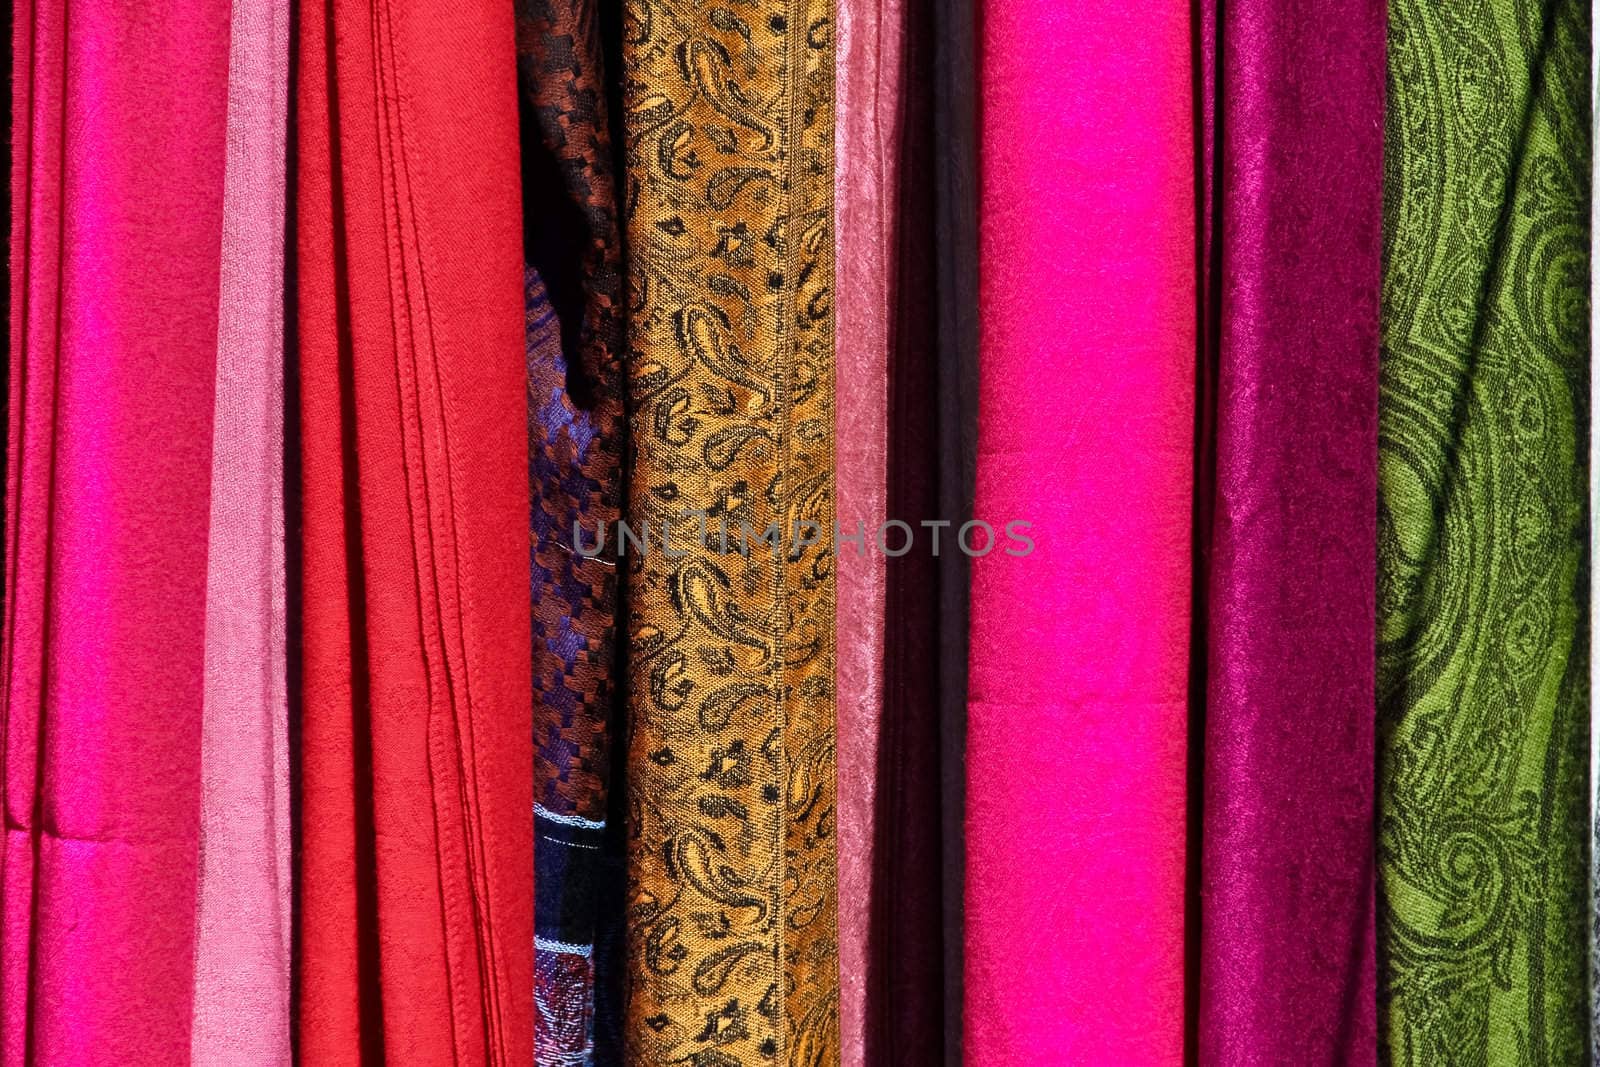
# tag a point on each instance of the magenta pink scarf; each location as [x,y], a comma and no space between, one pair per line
[117,228]
[1287,962]
[1079,655]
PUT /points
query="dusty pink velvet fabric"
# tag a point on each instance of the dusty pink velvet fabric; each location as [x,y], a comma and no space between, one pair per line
[1079,655]
[243,931]
[865,186]
[117,222]
[1287,949]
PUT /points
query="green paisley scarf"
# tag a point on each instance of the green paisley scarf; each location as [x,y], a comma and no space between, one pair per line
[1482,656]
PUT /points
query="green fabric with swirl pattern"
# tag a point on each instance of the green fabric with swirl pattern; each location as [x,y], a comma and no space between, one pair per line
[1482,650]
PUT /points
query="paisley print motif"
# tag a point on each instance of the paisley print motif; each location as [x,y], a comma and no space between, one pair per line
[728,214]
[1482,667]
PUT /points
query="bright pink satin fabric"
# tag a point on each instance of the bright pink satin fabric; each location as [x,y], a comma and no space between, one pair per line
[1079,657]
[117,202]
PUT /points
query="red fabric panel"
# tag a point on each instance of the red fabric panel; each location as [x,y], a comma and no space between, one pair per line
[417,894]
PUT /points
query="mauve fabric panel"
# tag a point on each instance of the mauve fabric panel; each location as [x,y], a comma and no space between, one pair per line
[866,182]
[890,822]
[243,921]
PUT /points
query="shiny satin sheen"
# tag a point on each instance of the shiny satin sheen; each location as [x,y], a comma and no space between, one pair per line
[1287,966]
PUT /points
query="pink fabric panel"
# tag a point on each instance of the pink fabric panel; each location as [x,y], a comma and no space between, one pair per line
[1079,655]
[866,185]
[242,940]
[115,319]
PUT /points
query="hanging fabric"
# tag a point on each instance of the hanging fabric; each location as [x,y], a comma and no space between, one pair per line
[954,188]
[573,301]
[732,810]
[866,188]
[416,894]
[891,956]
[244,926]
[118,123]
[1291,262]
[1482,677]
[1077,720]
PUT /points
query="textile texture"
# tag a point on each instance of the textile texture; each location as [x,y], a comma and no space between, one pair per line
[118,128]
[1077,700]
[732,812]
[952,161]
[866,187]
[573,597]
[571,237]
[1287,956]
[905,964]
[416,925]
[1594,578]
[243,926]
[890,883]
[1482,669]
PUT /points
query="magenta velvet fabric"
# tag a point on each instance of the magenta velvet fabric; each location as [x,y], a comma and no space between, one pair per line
[1287,869]
[118,127]
[1076,770]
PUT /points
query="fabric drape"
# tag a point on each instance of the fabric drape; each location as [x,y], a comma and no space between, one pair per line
[573,301]
[573,597]
[1075,855]
[867,176]
[732,811]
[117,206]
[1287,959]
[1482,676]
[416,931]
[890,940]
[954,188]
[243,928]
[1594,575]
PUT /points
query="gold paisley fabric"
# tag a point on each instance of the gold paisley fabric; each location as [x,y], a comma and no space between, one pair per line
[728,132]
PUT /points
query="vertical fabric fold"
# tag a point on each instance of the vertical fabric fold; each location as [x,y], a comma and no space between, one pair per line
[869,38]
[890,824]
[119,116]
[1077,702]
[729,138]
[1482,671]
[1594,574]
[416,932]
[573,303]
[243,924]
[903,1021]
[1287,959]
[954,188]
